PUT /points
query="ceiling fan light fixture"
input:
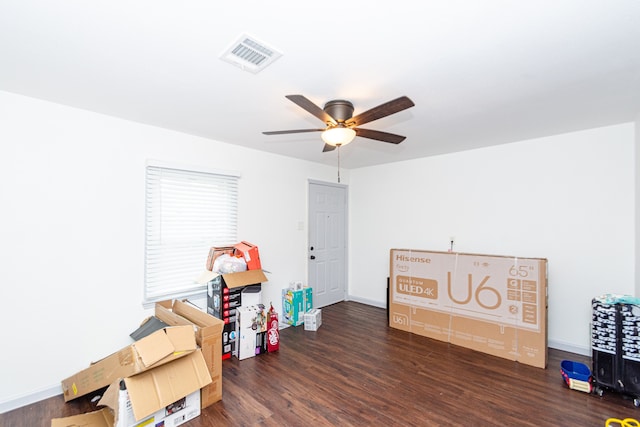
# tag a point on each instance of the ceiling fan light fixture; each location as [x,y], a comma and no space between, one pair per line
[338,136]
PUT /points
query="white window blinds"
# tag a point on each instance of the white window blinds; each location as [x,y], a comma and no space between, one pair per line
[187,212]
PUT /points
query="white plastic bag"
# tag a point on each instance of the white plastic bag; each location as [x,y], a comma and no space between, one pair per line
[226,263]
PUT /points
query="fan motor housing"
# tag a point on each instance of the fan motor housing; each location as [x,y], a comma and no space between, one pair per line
[339,109]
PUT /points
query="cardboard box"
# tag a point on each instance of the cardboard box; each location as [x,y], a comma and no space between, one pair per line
[174,414]
[229,340]
[262,317]
[168,394]
[157,388]
[224,296]
[160,347]
[208,333]
[292,307]
[246,331]
[494,304]
[250,253]
[308,298]
[99,418]
[312,319]
[216,283]
[294,304]
[251,328]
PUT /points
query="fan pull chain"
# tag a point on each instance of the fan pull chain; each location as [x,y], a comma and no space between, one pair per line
[338,163]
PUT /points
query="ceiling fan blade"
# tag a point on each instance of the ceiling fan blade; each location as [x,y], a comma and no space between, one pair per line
[381,111]
[282,132]
[328,147]
[380,136]
[312,108]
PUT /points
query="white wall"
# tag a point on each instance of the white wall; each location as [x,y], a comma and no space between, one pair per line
[637,205]
[72,232]
[568,198]
[72,217]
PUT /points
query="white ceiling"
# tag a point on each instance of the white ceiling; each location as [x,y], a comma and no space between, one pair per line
[480,72]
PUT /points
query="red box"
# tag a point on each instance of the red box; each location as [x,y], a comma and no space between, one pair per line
[250,254]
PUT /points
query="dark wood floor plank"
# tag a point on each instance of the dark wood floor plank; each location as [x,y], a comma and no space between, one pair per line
[356,371]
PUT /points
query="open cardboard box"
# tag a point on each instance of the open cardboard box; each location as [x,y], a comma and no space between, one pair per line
[224,295]
[489,303]
[234,280]
[208,336]
[160,347]
[141,399]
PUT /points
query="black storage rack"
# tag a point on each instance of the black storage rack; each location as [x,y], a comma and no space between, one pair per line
[615,342]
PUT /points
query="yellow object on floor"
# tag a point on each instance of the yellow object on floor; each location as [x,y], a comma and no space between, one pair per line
[627,422]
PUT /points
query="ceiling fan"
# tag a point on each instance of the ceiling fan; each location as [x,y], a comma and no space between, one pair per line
[341,126]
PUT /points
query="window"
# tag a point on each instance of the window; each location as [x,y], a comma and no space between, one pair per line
[187,212]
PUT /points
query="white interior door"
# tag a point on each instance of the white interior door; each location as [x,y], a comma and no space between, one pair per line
[327,251]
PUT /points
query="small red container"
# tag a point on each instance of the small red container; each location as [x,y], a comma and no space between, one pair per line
[273,333]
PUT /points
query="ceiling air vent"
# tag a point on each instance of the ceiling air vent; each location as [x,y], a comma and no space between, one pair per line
[250,54]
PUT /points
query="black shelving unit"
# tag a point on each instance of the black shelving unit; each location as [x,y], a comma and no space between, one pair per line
[615,343]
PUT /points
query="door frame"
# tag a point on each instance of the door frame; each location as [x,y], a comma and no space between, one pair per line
[346,227]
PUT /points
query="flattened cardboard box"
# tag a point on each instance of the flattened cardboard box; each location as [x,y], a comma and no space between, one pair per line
[100,418]
[208,337]
[156,349]
[489,303]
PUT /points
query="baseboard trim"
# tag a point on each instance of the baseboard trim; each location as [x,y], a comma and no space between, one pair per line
[558,345]
[571,348]
[367,301]
[28,399]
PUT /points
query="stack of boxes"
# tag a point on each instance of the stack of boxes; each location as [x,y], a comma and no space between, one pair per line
[297,307]
[166,376]
[173,369]
[225,294]
[235,298]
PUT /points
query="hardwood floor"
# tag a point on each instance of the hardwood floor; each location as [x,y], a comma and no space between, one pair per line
[355,371]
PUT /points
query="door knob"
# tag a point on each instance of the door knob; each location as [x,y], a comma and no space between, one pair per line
[313,257]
